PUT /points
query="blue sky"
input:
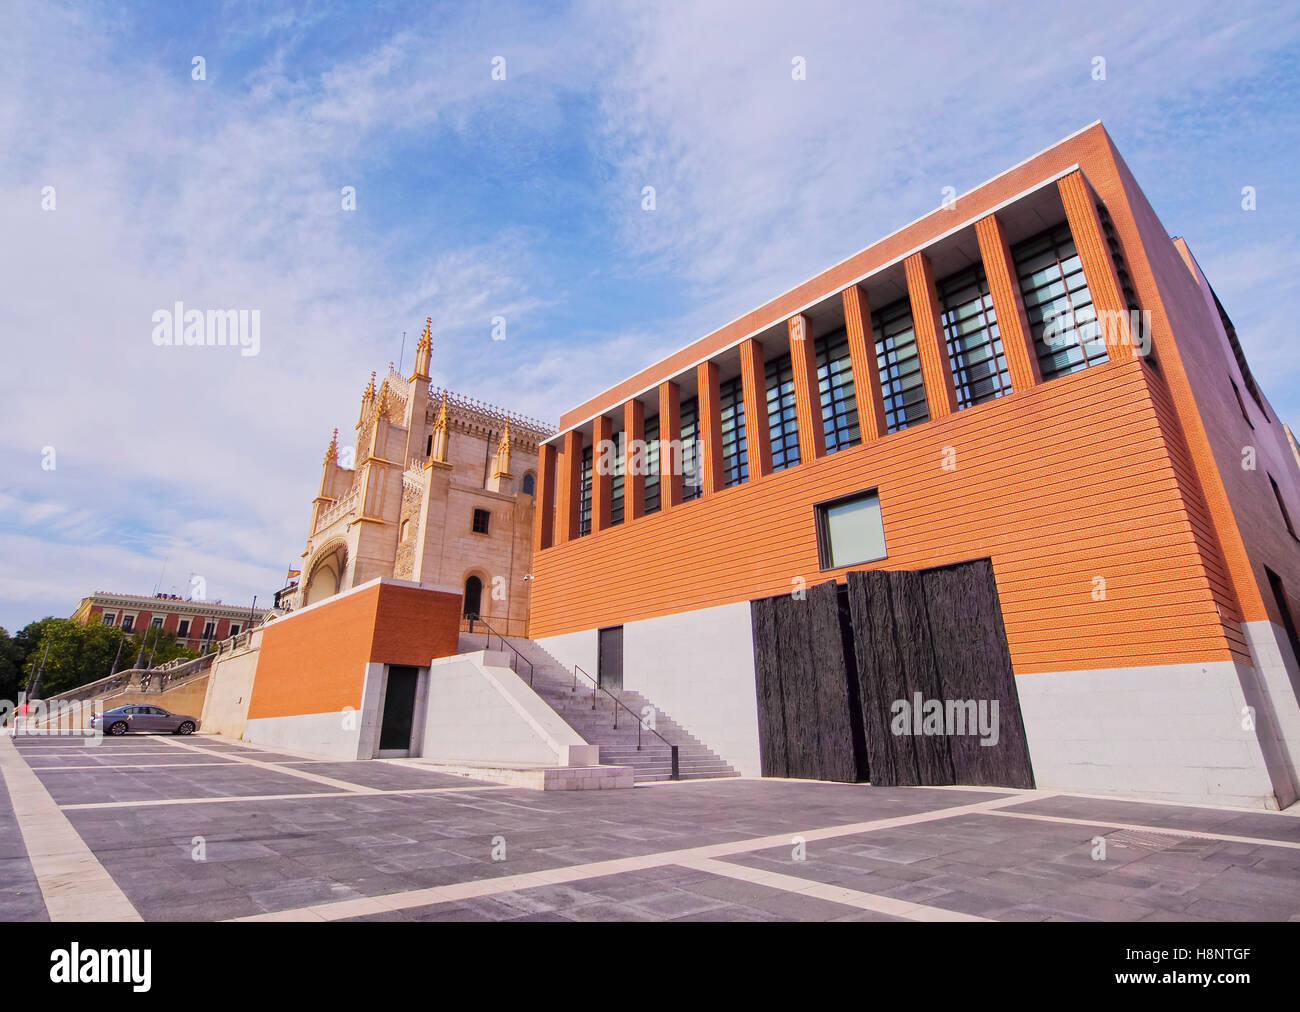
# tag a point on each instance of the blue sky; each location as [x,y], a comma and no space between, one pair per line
[519,198]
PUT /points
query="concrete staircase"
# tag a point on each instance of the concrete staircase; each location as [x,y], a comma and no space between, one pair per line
[618,745]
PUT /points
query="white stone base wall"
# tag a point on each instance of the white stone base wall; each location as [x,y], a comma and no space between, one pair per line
[1218,733]
[321,734]
[1279,703]
[1177,732]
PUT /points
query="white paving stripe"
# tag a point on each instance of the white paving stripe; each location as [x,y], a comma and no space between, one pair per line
[832,893]
[288,771]
[126,766]
[1263,841]
[340,909]
[74,885]
[162,802]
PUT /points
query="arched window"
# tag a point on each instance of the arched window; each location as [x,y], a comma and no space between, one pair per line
[473,596]
[530,484]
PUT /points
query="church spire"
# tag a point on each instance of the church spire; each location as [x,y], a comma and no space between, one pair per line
[332,451]
[367,401]
[423,351]
[502,468]
[438,446]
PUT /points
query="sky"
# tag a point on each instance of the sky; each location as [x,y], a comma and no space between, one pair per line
[499,155]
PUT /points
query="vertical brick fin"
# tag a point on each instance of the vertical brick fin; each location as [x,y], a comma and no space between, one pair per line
[807,399]
[1013,324]
[930,344]
[706,374]
[670,437]
[633,484]
[602,431]
[1094,254]
[862,354]
[544,520]
[568,488]
[758,432]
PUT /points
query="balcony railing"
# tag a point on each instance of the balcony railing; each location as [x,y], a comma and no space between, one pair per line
[341,508]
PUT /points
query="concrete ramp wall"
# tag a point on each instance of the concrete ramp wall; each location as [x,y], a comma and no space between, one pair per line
[479,710]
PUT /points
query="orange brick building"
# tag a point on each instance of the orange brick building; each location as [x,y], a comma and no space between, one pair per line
[1037,374]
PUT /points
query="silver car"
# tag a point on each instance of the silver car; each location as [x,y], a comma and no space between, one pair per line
[143,717]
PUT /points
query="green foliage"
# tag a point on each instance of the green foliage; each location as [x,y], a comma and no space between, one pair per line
[77,654]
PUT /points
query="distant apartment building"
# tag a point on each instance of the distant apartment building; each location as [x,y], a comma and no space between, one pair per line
[196,624]
[1036,375]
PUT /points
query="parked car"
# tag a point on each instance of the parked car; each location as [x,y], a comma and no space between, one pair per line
[142,717]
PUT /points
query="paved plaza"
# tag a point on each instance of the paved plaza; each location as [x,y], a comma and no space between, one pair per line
[204,828]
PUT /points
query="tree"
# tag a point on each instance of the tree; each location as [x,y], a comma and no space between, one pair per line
[11,666]
[79,654]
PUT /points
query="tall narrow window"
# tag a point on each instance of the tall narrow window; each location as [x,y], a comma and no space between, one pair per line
[1058,303]
[1236,390]
[1240,356]
[584,495]
[970,326]
[652,458]
[1284,609]
[783,423]
[692,484]
[616,480]
[835,382]
[1117,256]
[735,456]
[901,381]
[1281,505]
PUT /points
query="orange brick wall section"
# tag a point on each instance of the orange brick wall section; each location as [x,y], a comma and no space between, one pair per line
[1068,481]
[1242,516]
[315,661]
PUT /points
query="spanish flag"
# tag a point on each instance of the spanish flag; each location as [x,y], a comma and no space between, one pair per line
[293,575]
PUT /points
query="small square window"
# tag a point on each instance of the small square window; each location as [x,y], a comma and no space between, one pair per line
[128,623]
[850,530]
[481,518]
[209,630]
[110,618]
[157,622]
[234,628]
[183,630]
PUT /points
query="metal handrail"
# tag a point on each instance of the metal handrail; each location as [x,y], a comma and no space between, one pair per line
[640,721]
[492,632]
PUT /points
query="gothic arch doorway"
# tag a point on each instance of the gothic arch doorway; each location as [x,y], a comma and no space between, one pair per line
[473,597]
[325,575]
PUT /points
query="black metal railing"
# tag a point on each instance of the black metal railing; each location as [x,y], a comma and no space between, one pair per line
[504,642]
[640,720]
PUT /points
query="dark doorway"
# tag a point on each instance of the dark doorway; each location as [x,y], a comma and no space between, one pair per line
[473,596]
[610,665]
[399,710]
